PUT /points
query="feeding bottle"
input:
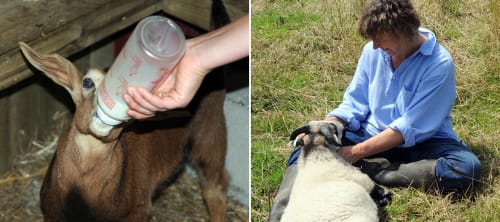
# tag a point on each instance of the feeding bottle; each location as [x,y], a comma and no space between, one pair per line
[153,49]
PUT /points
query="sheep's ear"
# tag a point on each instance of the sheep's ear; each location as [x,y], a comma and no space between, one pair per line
[300,130]
[297,142]
[339,131]
[56,67]
[333,134]
[336,140]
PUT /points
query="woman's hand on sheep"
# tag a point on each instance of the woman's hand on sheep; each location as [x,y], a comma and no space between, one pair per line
[385,140]
[349,154]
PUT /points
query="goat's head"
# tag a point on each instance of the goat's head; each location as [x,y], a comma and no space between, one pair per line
[319,134]
[81,89]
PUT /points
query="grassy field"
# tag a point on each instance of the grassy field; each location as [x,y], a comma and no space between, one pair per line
[304,53]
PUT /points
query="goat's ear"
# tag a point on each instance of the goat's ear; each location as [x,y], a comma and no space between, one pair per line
[56,67]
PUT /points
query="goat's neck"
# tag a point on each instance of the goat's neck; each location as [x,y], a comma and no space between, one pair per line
[85,162]
[87,152]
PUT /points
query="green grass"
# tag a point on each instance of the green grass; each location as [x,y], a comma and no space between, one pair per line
[304,53]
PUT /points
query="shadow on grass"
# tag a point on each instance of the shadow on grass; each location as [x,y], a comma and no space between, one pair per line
[490,160]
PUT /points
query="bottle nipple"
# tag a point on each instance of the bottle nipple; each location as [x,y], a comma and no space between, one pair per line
[98,124]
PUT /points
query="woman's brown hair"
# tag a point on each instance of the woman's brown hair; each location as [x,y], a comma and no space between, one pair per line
[397,17]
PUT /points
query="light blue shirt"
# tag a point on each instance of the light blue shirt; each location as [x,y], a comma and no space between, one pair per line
[416,99]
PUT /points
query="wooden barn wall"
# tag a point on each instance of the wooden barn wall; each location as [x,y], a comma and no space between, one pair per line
[31,109]
[26,112]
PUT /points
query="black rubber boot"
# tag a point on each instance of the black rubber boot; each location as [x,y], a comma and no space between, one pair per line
[420,174]
[283,195]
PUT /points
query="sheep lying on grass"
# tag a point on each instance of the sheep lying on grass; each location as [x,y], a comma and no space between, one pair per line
[328,188]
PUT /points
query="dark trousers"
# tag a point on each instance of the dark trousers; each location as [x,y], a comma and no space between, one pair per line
[457,167]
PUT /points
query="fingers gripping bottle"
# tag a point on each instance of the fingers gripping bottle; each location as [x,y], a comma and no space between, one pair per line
[154,48]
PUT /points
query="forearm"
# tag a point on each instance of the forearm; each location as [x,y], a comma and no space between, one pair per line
[222,46]
[386,140]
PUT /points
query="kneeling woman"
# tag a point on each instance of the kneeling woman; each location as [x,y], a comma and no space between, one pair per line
[398,107]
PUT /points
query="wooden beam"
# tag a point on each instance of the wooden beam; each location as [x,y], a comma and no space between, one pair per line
[54,26]
[62,28]
[197,12]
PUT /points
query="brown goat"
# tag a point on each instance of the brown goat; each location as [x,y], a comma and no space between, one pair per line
[114,178]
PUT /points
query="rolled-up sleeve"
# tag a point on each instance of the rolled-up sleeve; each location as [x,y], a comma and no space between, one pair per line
[429,105]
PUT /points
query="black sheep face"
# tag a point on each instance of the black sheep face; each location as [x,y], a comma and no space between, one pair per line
[318,134]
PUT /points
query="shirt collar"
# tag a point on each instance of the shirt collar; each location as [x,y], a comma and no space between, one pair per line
[429,44]
[426,48]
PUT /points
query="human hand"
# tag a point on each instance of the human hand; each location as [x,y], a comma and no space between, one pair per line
[174,90]
[203,53]
[349,154]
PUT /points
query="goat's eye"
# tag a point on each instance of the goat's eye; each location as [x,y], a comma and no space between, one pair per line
[88,83]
